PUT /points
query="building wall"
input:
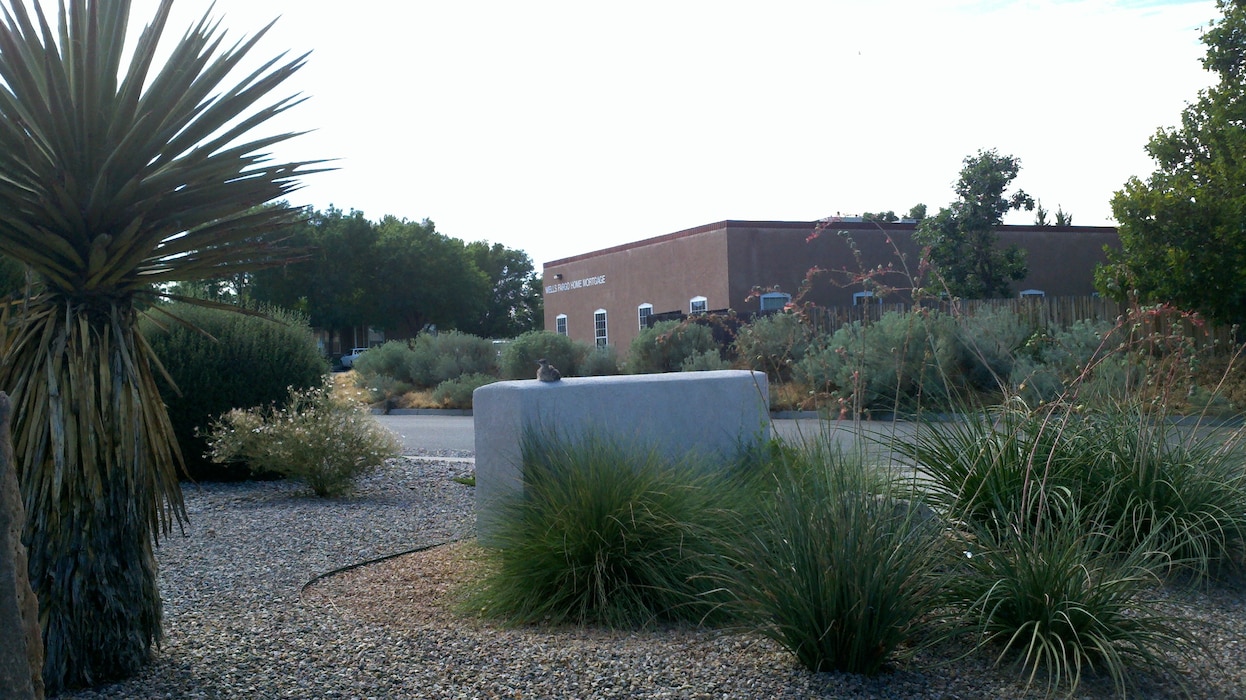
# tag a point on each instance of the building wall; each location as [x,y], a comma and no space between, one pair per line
[726,261]
[666,272]
[1061,260]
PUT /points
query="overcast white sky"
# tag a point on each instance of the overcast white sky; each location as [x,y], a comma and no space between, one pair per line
[562,127]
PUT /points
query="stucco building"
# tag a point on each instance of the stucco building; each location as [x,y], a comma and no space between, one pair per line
[605,296]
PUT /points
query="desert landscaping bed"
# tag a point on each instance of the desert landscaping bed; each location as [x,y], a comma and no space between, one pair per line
[240,622]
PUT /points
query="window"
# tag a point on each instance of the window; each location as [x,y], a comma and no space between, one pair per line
[560,324]
[859,298]
[643,312]
[698,305]
[774,301]
[599,327]
[1032,294]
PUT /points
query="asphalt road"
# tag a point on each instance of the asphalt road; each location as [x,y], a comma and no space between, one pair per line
[436,432]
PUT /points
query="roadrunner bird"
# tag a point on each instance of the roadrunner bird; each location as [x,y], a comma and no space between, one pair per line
[547,372]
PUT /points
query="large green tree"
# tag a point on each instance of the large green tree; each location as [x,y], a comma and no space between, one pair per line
[116,180]
[403,276]
[963,247]
[515,303]
[1183,229]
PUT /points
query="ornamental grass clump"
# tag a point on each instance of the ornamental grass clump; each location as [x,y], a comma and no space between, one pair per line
[606,534]
[323,441]
[839,562]
[1060,598]
[1181,489]
[991,465]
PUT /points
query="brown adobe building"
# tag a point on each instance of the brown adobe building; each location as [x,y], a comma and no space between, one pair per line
[604,297]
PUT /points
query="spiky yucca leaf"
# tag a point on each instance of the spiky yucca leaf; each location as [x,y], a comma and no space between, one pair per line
[116,179]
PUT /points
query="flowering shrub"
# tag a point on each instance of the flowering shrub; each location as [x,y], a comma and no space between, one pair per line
[321,440]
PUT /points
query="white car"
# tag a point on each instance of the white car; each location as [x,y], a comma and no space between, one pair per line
[348,361]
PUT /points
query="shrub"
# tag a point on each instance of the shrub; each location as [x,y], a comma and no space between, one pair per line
[664,346]
[457,392]
[601,362]
[903,360]
[773,344]
[706,361]
[436,358]
[520,355]
[1059,597]
[325,442]
[244,360]
[837,566]
[605,534]
[1183,494]
[391,359]
[994,466]
[990,340]
[1085,357]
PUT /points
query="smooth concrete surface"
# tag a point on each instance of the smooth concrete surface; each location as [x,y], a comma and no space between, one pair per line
[679,413]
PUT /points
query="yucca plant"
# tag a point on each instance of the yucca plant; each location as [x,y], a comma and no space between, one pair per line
[115,180]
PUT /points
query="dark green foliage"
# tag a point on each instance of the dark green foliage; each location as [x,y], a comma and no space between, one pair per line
[665,346]
[902,361]
[961,237]
[129,164]
[606,535]
[515,304]
[247,361]
[838,564]
[773,344]
[403,276]
[1182,240]
[520,355]
[457,392]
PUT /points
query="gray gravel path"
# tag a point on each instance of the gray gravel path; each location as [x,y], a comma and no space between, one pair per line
[237,625]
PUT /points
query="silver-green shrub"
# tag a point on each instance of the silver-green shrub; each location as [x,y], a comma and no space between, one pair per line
[665,346]
[903,360]
[601,362]
[457,392]
[520,355]
[315,438]
[773,344]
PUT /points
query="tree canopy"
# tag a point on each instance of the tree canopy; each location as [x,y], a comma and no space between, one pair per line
[961,238]
[1183,229]
[403,276]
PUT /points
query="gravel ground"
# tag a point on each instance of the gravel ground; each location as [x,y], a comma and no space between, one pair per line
[239,624]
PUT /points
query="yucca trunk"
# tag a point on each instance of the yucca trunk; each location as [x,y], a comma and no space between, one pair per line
[99,482]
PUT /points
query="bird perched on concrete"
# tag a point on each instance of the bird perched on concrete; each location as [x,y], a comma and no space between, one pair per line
[547,372]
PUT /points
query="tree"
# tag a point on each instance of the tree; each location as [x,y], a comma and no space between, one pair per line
[116,181]
[1040,214]
[1063,218]
[335,283]
[1182,235]
[514,306]
[961,238]
[882,217]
